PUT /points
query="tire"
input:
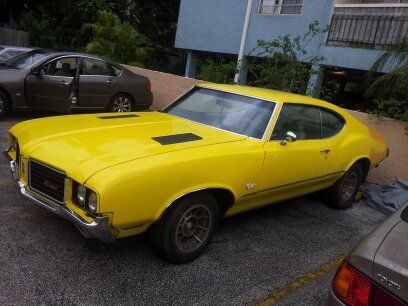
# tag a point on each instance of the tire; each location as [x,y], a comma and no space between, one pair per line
[343,193]
[121,103]
[179,235]
[4,105]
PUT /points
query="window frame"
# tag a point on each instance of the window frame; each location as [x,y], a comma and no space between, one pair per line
[41,66]
[279,6]
[320,108]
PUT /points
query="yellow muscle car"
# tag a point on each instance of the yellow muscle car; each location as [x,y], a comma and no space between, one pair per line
[216,151]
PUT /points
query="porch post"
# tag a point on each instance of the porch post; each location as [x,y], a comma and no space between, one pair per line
[315,81]
[191,65]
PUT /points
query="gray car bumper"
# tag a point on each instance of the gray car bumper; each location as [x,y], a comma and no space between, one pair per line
[99,227]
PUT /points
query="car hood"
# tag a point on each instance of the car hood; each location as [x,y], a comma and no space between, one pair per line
[82,145]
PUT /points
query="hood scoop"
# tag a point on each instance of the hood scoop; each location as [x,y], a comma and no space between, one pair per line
[118,116]
[176,138]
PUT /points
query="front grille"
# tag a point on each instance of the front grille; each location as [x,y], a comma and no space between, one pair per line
[47,181]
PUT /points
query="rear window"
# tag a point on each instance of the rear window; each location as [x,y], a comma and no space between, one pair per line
[331,124]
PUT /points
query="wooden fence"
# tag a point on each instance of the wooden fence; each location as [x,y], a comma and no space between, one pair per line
[14,38]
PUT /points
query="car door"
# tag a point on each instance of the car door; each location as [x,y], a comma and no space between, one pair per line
[52,85]
[294,166]
[332,126]
[97,83]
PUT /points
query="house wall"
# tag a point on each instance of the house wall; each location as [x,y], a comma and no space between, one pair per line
[216,26]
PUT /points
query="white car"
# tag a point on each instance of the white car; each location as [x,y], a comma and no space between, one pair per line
[7,52]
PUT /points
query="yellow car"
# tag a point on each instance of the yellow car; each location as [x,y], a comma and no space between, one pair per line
[216,151]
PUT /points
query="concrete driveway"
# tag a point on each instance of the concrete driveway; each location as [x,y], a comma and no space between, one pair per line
[284,254]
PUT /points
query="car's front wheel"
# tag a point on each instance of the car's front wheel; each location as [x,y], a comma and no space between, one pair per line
[343,193]
[4,105]
[121,103]
[184,231]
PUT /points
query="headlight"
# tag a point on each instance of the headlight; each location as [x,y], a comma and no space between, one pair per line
[81,195]
[84,197]
[92,202]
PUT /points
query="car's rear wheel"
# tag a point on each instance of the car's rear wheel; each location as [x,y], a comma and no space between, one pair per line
[4,105]
[182,234]
[122,103]
[343,193]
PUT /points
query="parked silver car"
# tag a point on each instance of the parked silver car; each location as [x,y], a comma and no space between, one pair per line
[7,52]
[376,272]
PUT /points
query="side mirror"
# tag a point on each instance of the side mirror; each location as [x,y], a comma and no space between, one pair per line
[290,137]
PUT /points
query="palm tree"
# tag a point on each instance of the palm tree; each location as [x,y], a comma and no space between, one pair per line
[393,84]
[118,41]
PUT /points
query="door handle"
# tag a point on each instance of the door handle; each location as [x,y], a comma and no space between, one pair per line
[63,83]
[110,82]
[325,151]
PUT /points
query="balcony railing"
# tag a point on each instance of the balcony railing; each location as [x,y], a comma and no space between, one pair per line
[374,26]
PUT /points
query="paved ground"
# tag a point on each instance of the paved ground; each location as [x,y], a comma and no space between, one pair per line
[43,259]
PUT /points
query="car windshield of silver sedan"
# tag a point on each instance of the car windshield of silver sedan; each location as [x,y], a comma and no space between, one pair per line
[24,60]
[234,113]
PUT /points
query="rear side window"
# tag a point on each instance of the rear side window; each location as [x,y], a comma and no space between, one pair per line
[302,120]
[331,124]
[92,66]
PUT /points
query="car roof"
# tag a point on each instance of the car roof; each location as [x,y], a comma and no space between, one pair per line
[16,47]
[269,94]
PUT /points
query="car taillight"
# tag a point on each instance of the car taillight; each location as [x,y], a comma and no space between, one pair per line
[149,86]
[352,287]
[383,297]
[355,289]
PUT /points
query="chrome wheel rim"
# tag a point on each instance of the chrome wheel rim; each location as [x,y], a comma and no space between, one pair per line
[122,105]
[1,105]
[349,187]
[193,228]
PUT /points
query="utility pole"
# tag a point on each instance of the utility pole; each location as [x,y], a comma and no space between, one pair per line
[243,40]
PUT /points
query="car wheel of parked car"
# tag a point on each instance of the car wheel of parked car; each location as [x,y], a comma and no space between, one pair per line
[343,193]
[4,104]
[122,103]
[183,232]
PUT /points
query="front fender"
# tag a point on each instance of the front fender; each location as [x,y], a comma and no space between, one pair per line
[138,192]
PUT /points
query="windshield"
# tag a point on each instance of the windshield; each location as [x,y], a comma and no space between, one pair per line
[24,60]
[239,114]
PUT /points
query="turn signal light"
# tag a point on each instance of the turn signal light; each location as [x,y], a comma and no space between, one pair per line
[355,289]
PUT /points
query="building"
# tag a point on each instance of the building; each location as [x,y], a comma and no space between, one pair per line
[358,31]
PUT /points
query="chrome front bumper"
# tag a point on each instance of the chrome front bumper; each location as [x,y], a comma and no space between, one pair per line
[99,228]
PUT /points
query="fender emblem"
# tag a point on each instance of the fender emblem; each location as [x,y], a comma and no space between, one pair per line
[250,186]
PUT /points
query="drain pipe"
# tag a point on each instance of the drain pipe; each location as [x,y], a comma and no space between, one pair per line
[243,40]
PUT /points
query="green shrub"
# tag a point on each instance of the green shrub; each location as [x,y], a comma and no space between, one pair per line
[220,71]
[393,108]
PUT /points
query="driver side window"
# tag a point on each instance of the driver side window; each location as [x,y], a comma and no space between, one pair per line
[64,67]
[302,120]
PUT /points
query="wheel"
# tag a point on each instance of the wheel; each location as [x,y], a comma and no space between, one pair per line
[4,105]
[182,234]
[121,103]
[343,193]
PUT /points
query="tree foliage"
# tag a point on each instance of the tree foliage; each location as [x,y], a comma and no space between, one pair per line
[393,84]
[285,63]
[117,40]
